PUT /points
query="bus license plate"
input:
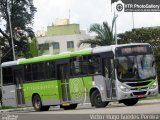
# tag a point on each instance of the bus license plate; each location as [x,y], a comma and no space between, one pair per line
[140,96]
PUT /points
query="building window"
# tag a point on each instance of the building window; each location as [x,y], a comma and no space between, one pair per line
[93,45]
[44,48]
[70,44]
[56,45]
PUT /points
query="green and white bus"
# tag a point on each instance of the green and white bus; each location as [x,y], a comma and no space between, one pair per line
[124,73]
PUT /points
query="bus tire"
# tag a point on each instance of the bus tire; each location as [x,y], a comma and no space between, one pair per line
[130,102]
[96,100]
[37,103]
[70,107]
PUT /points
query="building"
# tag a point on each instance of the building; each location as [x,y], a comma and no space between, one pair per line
[61,37]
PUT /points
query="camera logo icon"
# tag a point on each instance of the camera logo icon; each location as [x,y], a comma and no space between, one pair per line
[119,6]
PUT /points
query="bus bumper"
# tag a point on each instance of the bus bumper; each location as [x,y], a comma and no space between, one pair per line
[143,93]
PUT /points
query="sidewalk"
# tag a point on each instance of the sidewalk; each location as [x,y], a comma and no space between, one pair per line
[28,109]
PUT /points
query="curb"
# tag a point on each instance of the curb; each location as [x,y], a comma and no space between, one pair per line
[16,109]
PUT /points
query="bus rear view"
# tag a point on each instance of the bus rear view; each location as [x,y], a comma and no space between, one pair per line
[136,73]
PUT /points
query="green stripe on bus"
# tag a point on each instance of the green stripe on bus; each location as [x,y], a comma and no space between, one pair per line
[83,52]
[148,86]
[43,58]
[55,57]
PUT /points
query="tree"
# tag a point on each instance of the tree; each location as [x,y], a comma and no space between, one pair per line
[104,34]
[33,48]
[21,13]
[144,35]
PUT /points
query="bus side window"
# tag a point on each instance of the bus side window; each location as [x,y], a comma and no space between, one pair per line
[28,72]
[34,71]
[94,65]
[79,66]
[50,70]
[75,67]
[7,75]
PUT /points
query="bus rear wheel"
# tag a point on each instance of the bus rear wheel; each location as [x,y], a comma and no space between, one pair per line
[130,102]
[37,104]
[97,101]
[70,107]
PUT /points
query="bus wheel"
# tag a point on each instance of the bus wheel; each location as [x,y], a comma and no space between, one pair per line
[130,102]
[37,104]
[70,107]
[97,101]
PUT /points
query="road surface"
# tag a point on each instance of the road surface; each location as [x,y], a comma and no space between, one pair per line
[114,111]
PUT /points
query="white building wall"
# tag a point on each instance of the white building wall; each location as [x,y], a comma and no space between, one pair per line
[63,41]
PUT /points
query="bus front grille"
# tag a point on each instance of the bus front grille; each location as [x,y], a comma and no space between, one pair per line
[140,93]
[139,84]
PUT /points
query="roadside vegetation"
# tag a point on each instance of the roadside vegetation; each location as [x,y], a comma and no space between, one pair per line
[21,15]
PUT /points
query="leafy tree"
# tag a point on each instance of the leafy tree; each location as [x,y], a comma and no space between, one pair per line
[104,34]
[144,35]
[21,13]
[33,48]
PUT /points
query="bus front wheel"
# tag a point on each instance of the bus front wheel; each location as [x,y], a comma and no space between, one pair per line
[130,102]
[37,104]
[97,101]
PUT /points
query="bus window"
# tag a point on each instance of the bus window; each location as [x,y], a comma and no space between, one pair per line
[40,71]
[94,65]
[50,70]
[79,66]
[28,71]
[85,65]
[7,75]
[34,71]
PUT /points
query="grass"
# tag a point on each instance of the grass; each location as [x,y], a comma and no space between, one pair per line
[6,107]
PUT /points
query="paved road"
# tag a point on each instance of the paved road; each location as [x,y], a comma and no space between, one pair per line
[141,108]
[85,112]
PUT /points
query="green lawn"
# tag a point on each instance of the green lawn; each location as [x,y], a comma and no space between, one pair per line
[8,107]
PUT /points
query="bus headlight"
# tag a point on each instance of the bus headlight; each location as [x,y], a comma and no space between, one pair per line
[154,85]
[124,88]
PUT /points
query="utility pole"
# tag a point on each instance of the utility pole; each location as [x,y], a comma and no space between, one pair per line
[115,28]
[10,28]
[132,17]
[115,16]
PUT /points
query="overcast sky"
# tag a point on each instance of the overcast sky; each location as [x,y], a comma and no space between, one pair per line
[87,12]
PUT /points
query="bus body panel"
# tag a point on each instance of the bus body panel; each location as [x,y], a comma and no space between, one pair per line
[49,91]
[9,96]
[79,89]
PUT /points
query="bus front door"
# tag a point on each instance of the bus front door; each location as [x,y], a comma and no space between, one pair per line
[63,74]
[18,78]
[110,78]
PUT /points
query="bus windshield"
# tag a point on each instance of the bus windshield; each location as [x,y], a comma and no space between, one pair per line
[136,67]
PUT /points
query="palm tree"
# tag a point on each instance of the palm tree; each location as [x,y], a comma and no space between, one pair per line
[104,34]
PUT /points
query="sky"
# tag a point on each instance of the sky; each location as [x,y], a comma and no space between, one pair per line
[87,12]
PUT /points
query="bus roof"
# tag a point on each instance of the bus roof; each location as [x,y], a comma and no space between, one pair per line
[64,55]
